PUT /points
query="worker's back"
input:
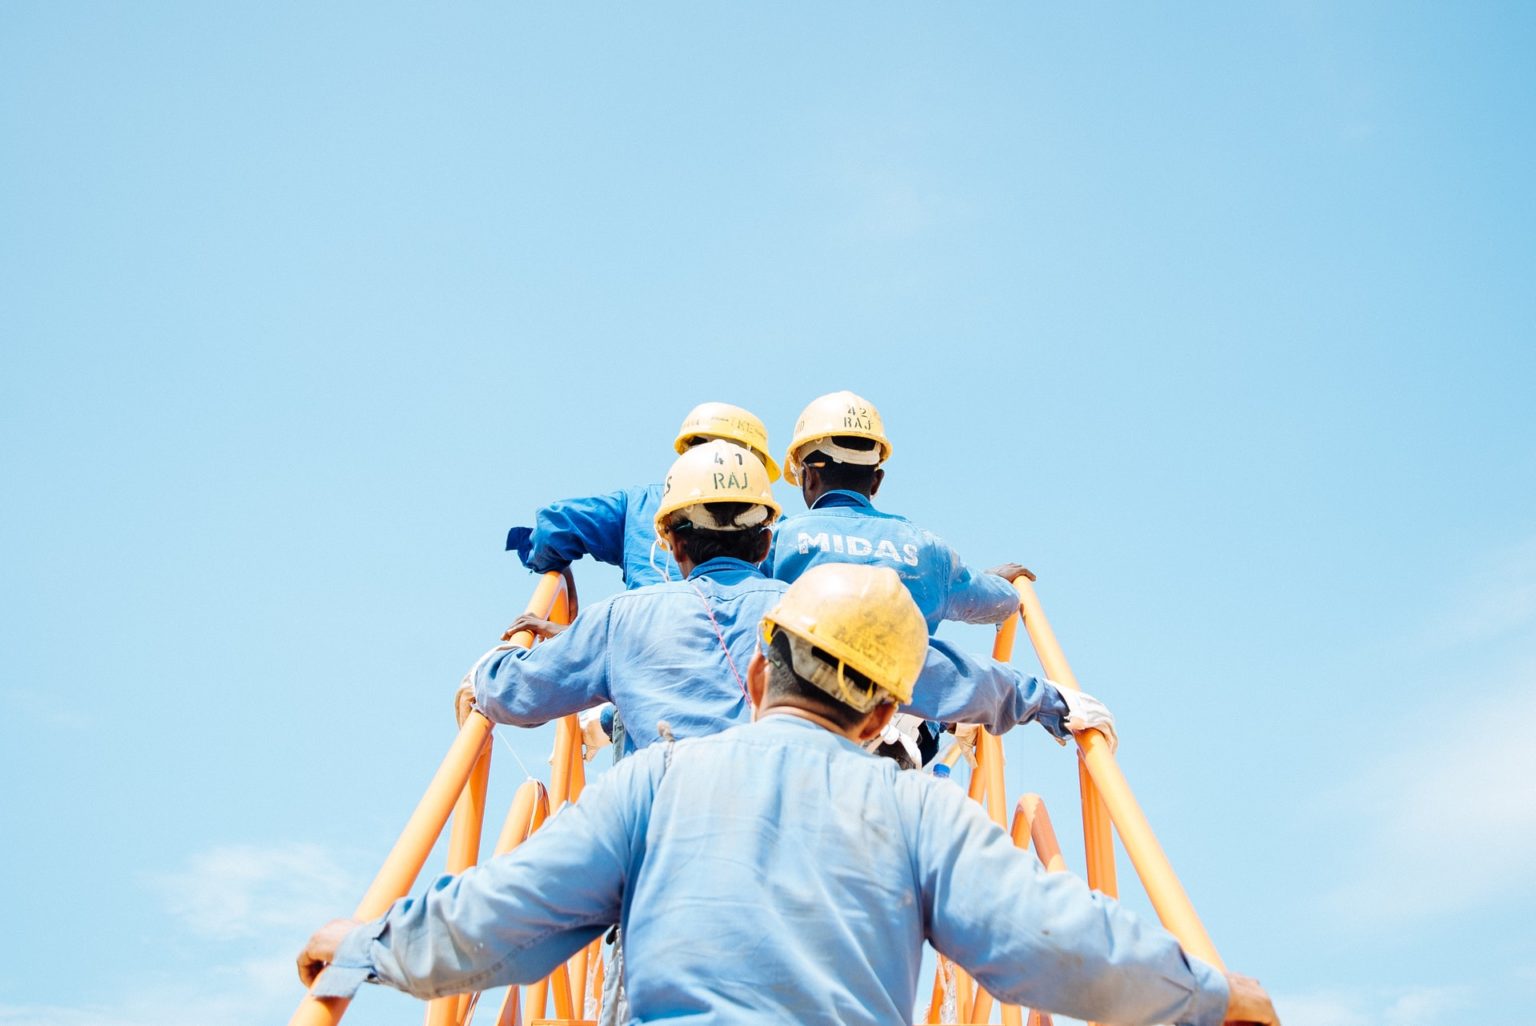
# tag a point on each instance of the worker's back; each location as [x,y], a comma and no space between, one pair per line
[675,652]
[784,875]
[776,884]
[845,527]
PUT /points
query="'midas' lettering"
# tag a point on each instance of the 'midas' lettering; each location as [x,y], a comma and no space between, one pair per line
[809,541]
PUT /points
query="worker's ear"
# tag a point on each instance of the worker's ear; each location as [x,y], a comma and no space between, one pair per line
[874,481]
[875,721]
[765,545]
[757,680]
[810,483]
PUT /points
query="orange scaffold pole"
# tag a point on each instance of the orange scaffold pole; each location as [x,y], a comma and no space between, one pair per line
[422,830]
[1162,885]
[973,1003]
[1098,842]
[530,808]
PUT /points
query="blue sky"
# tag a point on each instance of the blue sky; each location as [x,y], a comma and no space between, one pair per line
[1217,316]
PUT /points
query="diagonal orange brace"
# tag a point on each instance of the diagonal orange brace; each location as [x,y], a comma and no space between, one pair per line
[1168,896]
[422,830]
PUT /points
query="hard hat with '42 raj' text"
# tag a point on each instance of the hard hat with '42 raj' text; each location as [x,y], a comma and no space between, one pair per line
[837,415]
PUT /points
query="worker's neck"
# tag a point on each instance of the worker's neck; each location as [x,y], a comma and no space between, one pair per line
[813,496]
[853,733]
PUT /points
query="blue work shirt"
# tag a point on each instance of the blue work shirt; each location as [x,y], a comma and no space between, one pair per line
[845,527]
[777,873]
[679,652]
[618,528]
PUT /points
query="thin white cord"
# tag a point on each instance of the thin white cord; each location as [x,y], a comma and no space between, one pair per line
[515,757]
[661,571]
[720,637]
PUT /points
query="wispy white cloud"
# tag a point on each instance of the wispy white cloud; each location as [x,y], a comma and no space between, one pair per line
[890,196]
[1450,800]
[236,891]
[1453,805]
[890,206]
[244,993]
[44,709]
[237,917]
[1494,602]
[1413,1006]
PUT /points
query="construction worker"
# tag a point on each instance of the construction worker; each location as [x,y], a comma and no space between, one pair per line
[672,657]
[835,457]
[777,873]
[617,527]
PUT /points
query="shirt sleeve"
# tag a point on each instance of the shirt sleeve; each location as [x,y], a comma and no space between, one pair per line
[566,530]
[1044,940]
[955,688]
[975,597]
[564,674]
[512,920]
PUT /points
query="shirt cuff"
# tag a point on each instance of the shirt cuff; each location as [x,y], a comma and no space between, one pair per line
[1208,1005]
[352,965]
[1053,711]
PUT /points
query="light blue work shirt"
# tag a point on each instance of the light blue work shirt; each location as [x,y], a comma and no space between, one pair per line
[776,873]
[845,527]
[679,652]
[618,528]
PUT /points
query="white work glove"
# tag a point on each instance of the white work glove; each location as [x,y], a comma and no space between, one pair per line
[464,698]
[901,731]
[1084,712]
[966,736]
[593,738]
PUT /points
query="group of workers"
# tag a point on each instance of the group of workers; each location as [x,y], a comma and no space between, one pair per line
[760,863]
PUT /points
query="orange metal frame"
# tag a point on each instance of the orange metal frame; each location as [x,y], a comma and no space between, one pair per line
[1106,800]
[460,786]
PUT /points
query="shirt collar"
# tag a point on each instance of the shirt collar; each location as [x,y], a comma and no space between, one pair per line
[842,497]
[725,567]
[794,728]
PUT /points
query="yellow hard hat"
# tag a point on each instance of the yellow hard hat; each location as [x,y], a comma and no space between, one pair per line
[734,424]
[865,619]
[714,472]
[837,414]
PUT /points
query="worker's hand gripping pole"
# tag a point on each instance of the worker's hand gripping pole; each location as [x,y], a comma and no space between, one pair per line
[1163,888]
[422,830]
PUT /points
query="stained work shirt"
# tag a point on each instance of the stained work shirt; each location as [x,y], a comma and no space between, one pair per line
[776,873]
[660,653]
[845,527]
[618,528]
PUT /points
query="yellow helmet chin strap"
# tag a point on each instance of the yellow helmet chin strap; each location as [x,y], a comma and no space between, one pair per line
[805,664]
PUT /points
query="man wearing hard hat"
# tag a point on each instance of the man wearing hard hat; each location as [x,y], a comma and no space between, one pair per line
[672,657]
[777,873]
[616,528]
[836,457]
